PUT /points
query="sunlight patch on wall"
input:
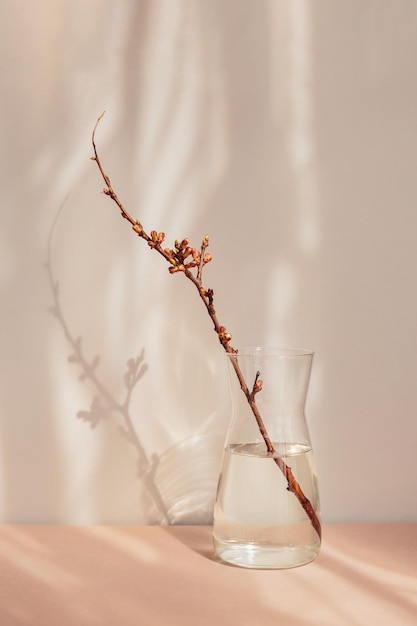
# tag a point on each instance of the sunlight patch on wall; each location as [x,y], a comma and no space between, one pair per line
[308,229]
[301,140]
[183,140]
[78,456]
[116,288]
[6,266]
[3,473]
[284,286]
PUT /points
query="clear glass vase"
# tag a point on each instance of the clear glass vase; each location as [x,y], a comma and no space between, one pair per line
[267,510]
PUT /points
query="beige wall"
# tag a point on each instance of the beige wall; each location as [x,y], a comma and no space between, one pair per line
[284,129]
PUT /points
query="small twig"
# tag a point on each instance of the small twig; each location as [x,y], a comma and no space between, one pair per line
[183,258]
[257,386]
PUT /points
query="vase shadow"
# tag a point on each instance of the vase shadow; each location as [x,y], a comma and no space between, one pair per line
[197,538]
[187,476]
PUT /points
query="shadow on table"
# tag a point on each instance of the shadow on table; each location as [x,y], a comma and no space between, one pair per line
[197,538]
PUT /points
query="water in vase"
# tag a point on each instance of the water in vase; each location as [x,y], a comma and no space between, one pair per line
[257,521]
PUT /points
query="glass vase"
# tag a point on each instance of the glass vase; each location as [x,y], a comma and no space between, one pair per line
[267,510]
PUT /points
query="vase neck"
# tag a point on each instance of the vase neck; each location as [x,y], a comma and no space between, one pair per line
[276,382]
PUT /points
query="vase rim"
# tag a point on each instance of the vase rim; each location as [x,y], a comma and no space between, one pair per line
[271,351]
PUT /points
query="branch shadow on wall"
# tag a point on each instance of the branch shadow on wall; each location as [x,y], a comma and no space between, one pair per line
[179,481]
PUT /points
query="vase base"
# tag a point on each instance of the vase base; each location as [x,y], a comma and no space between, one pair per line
[256,556]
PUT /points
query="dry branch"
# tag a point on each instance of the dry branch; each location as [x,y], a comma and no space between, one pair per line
[184,258]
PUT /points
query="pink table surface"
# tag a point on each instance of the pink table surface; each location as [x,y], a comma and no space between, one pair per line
[366,574]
